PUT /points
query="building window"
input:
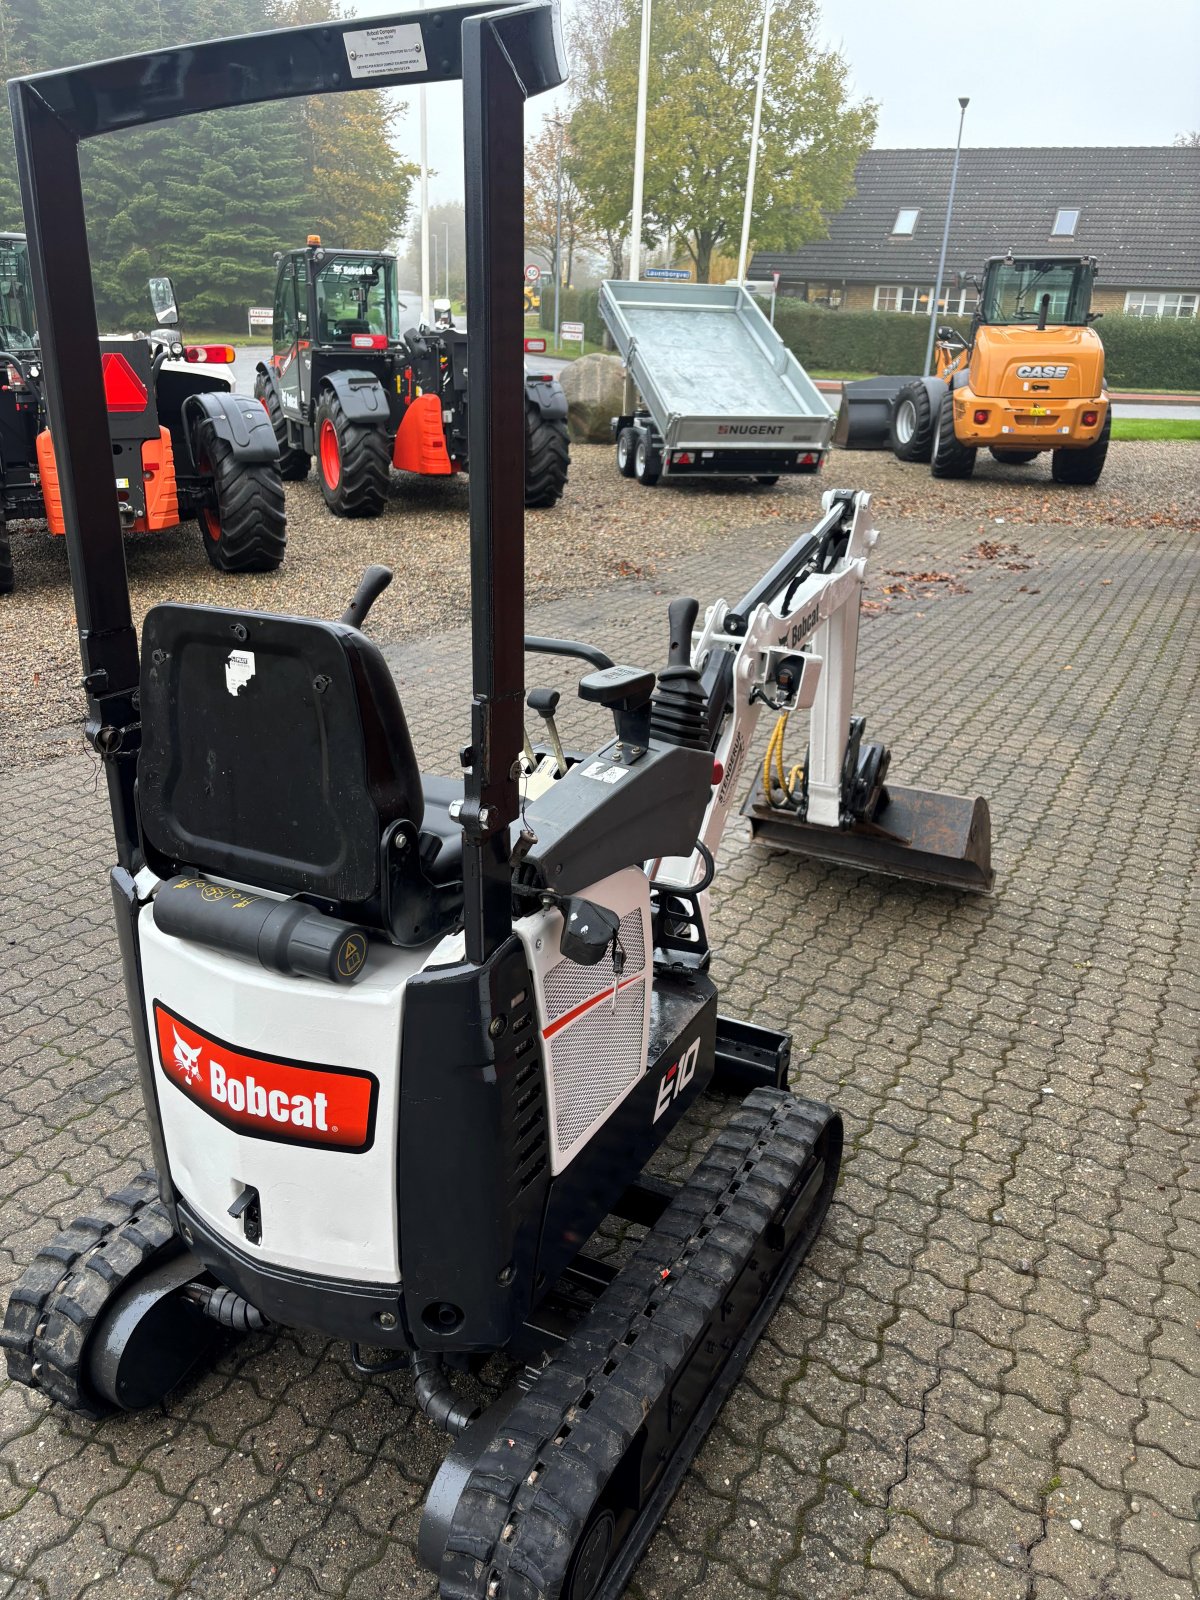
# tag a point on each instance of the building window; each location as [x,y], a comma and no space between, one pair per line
[1146,303]
[1065,223]
[901,298]
[906,221]
[958,302]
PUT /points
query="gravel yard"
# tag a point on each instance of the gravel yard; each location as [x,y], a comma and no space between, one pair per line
[606,528]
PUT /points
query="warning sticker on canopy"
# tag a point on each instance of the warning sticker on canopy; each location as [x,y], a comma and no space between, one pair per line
[385,52]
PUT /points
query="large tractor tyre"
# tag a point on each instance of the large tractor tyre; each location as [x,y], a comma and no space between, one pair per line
[626,450]
[1082,466]
[647,463]
[1014,458]
[353,462]
[293,463]
[246,530]
[6,562]
[547,458]
[949,458]
[911,429]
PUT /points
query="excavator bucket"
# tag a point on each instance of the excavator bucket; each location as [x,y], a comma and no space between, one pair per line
[864,419]
[917,833]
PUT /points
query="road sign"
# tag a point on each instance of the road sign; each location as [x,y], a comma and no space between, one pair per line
[535,347]
[677,274]
[573,330]
[258,316]
[532,273]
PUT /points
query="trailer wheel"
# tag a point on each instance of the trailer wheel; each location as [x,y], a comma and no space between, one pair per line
[1013,458]
[626,450]
[647,463]
[293,463]
[768,480]
[246,530]
[352,462]
[547,457]
[949,459]
[7,581]
[1082,466]
[911,432]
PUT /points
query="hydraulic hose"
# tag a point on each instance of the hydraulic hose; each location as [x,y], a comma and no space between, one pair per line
[435,1396]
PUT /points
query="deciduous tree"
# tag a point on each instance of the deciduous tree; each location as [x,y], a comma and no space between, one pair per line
[703,65]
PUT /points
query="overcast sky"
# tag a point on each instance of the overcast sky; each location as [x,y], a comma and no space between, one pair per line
[1072,72]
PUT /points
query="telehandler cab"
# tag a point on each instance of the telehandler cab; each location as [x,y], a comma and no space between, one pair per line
[353,383]
[404,1042]
[1029,377]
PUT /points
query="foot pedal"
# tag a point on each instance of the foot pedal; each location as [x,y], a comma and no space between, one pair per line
[576,1476]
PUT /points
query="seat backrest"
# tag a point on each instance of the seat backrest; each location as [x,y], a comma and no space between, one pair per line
[274,751]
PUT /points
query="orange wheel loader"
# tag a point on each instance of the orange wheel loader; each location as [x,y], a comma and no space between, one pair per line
[1029,377]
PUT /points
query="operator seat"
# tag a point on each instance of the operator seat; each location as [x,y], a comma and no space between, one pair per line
[275,753]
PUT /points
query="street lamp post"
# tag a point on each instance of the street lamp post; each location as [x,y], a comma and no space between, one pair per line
[639,148]
[964,102]
[743,249]
[560,128]
[423,117]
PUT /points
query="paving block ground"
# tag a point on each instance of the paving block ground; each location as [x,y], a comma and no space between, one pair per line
[983,1383]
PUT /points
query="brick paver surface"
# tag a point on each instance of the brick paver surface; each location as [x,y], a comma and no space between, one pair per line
[982,1385]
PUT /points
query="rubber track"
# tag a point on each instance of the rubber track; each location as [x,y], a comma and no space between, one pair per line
[293,463]
[57,1300]
[250,506]
[366,463]
[547,458]
[529,1498]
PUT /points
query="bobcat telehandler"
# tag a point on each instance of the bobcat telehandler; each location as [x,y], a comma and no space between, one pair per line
[352,383]
[1029,377]
[404,1042]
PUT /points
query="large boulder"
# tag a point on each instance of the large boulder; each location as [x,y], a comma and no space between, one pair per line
[595,390]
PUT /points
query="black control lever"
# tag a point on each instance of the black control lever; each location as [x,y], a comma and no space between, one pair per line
[681,617]
[371,585]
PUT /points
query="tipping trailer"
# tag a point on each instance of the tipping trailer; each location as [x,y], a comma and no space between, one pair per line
[722,396]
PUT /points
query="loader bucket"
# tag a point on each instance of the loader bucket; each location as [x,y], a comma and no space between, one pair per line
[917,833]
[864,420]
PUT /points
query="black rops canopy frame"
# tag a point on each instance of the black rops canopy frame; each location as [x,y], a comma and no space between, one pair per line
[503,55]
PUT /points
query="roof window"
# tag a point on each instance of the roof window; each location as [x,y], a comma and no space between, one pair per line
[1065,223]
[906,221]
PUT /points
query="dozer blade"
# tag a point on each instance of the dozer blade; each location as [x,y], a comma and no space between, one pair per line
[865,417]
[918,833]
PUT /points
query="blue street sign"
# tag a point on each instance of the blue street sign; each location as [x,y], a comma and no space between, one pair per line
[667,272]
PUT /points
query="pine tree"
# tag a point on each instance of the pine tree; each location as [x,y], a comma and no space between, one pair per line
[207,199]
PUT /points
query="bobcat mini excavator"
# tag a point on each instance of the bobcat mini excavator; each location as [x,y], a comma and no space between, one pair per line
[404,1042]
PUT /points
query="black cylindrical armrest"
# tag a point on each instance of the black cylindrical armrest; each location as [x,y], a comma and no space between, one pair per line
[282,935]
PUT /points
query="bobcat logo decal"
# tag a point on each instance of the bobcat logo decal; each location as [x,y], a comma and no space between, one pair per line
[187,1059]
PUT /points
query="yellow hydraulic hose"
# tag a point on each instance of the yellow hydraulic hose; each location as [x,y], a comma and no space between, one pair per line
[776,781]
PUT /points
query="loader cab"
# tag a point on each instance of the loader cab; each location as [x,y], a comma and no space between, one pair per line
[17,317]
[330,304]
[1038,291]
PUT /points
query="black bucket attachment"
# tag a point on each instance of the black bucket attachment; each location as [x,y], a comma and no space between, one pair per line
[865,418]
[917,833]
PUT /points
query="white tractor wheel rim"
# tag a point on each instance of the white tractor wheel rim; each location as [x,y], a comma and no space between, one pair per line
[906,421]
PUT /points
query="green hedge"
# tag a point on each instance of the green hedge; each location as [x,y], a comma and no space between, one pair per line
[576,305]
[1151,352]
[1140,352]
